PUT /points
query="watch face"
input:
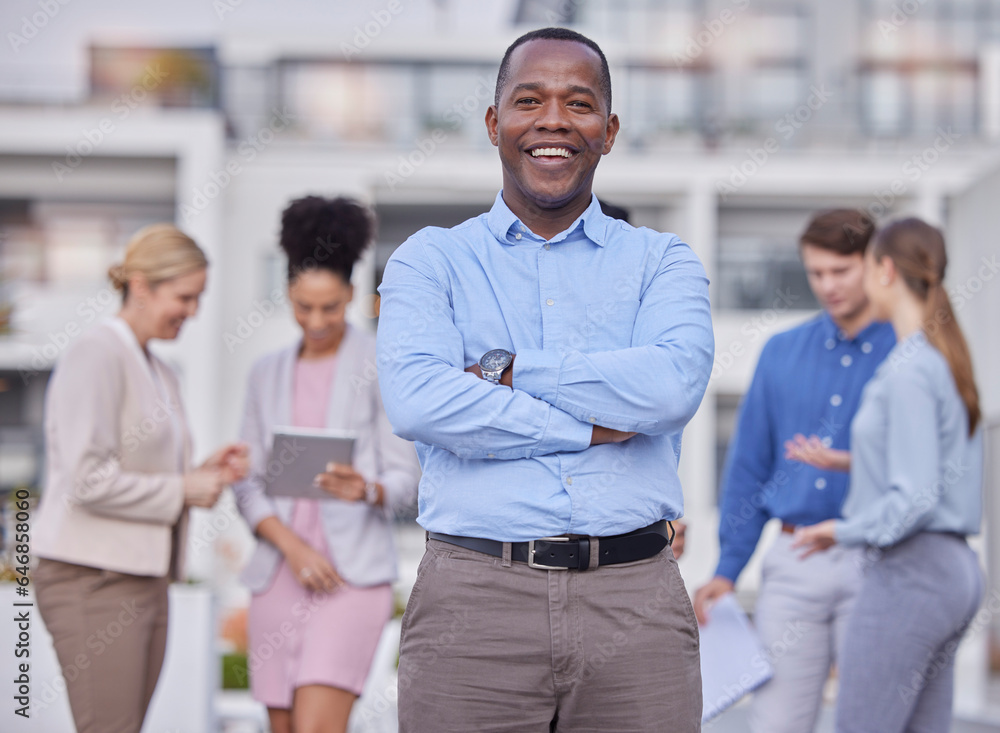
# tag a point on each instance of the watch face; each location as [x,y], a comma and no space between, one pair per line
[495,360]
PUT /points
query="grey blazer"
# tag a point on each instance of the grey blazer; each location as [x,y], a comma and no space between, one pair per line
[358,535]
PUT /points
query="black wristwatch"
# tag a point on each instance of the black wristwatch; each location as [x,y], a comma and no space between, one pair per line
[494,363]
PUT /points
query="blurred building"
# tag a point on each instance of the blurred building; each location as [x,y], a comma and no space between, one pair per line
[739,119]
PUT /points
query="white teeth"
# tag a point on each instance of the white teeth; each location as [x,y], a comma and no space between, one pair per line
[550,151]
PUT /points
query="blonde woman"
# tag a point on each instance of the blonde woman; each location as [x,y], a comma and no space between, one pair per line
[110,529]
[915,495]
[322,569]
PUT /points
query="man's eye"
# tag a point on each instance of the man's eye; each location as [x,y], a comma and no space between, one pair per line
[526,100]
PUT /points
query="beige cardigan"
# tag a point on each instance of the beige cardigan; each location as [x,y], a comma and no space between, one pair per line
[114,494]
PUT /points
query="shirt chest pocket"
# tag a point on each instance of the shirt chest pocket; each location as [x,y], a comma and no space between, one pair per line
[610,324]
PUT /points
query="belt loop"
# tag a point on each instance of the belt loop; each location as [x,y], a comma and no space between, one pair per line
[595,552]
[505,557]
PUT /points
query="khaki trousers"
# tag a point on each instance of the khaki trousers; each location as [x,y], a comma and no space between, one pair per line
[496,649]
[110,632]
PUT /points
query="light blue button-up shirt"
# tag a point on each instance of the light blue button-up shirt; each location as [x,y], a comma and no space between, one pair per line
[914,466]
[610,325]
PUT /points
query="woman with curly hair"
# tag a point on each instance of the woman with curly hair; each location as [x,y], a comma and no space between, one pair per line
[321,572]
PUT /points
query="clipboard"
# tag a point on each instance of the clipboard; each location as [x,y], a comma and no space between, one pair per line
[298,455]
[733,659]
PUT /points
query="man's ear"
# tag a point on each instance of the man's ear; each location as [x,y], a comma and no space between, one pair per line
[611,133]
[491,124]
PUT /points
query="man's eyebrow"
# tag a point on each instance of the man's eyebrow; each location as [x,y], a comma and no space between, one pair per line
[534,86]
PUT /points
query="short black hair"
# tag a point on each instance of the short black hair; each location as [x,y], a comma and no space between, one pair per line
[555,34]
[331,234]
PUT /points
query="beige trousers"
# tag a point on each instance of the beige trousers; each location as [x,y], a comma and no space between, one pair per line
[510,649]
[110,632]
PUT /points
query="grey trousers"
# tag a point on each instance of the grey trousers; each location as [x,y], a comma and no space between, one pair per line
[898,667]
[110,633]
[496,649]
[801,614]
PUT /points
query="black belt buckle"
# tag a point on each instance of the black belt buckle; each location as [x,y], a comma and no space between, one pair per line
[531,553]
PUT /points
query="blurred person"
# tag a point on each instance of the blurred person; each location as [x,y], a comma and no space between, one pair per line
[546,357]
[808,381]
[322,569]
[111,527]
[915,465]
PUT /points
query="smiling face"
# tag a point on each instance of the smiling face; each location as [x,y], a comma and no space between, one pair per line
[551,127]
[319,301]
[166,305]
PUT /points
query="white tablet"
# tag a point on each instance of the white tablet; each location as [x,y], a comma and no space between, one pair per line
[298,455]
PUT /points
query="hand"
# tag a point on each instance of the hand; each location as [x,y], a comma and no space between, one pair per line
[816,538]
[310,568]
[680,528]
[602,435]
[203,486]
[342,482]
[233,459]
[812,451]
[708,594]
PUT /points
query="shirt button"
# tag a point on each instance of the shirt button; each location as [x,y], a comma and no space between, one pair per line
[836,400]
[550,302]
[592,419]
[522,228]
[517,236]
[846,360]
[548,246]
[569,480]
[827,441]
[821,483]
[866,347]
[830,343]
[491,455]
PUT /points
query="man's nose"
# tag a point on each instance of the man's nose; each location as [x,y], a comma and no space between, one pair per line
[552,116]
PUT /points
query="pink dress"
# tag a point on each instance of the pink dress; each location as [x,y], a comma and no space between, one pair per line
[298,637]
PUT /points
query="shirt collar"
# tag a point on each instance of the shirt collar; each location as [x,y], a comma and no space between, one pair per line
[832,331]
[594,222]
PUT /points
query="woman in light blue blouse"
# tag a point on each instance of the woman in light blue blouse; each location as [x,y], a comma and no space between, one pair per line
[915,494]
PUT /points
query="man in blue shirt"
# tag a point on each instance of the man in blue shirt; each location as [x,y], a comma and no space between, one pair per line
[545,358]
[808,382]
